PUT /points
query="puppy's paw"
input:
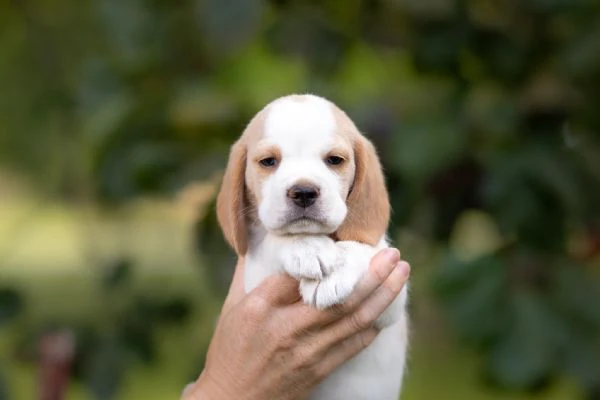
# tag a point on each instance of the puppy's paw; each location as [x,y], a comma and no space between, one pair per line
[330,290]
[309,257]
[336,287]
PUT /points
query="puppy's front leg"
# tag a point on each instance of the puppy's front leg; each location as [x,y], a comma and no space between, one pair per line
[354,260]
[309,257]
[334,288]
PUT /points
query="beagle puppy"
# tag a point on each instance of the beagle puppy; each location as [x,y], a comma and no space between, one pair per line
[304,193]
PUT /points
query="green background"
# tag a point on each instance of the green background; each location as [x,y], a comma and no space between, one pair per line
[115,122]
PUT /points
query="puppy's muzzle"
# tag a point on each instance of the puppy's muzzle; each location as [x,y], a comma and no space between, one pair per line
[303,195]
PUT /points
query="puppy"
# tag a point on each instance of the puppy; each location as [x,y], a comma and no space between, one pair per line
[303,193]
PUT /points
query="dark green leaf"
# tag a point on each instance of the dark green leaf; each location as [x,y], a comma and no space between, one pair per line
[426,144]
[526,355]
[229,25]
[583,360]
[210,243]
[174,310]
[117,274]
[575,291]
[10,305]
[137,327]
[104,369]
[3,386]
[474,293]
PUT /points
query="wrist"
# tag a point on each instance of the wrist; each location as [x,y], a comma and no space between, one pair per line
[206,388]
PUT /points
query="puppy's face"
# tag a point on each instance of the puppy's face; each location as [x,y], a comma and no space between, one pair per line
[299,172]
[301,166]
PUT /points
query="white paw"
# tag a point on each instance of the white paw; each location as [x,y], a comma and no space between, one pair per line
[326,292]
[309,257]
[330,290]
[335,287]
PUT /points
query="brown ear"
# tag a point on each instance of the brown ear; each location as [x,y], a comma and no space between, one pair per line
[231,200]
[368,202]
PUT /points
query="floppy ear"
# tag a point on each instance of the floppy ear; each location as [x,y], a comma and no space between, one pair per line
[231,200]
[368,202]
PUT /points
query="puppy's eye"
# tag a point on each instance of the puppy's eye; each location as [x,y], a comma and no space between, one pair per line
[334,160]
[268,162]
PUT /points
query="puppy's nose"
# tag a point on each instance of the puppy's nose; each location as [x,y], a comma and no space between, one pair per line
[303,195]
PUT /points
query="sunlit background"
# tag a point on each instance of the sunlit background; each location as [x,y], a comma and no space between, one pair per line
[115,121]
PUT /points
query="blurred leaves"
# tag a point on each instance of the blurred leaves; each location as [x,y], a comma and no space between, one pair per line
[219,259]
[104,368]
[516,308]
[125,332]
[303,32]
[474,294]
[3,387]
[482,111]
[428,144]
[10,305]
[525,355]
[217,19]
[117,274]
[257,63]
[197,104]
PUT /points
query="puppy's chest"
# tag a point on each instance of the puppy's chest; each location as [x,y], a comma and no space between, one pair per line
[260,264]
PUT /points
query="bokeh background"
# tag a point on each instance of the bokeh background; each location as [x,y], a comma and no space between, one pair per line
[115,121]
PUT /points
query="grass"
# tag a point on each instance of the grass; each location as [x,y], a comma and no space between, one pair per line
[51,252]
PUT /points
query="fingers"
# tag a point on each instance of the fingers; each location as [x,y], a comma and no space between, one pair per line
[189,388]
[345,350]
[275,290]
[367,313]
[278,290]
[236,289]
[380,269]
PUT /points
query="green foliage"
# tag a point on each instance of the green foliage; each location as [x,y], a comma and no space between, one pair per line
[3,387]
[473,104]
[519,309]
[10,305]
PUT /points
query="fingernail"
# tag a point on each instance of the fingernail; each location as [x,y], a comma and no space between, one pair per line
[188,389]
[404,269]
[392,255]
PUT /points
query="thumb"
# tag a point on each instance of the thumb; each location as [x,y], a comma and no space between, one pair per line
[236,289]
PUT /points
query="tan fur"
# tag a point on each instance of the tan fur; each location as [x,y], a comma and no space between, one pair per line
[232,200]
[368,203]
[235,200]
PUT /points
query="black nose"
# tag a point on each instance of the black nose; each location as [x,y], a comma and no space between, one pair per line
[303,195]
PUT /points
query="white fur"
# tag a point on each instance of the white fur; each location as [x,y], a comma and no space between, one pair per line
[327,270]
[304,132]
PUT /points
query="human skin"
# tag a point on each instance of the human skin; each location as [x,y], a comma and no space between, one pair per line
[268,344]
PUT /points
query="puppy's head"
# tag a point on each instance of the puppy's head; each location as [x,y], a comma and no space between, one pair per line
[302,167]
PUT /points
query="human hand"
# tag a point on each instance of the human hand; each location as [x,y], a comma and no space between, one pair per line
[269,345]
